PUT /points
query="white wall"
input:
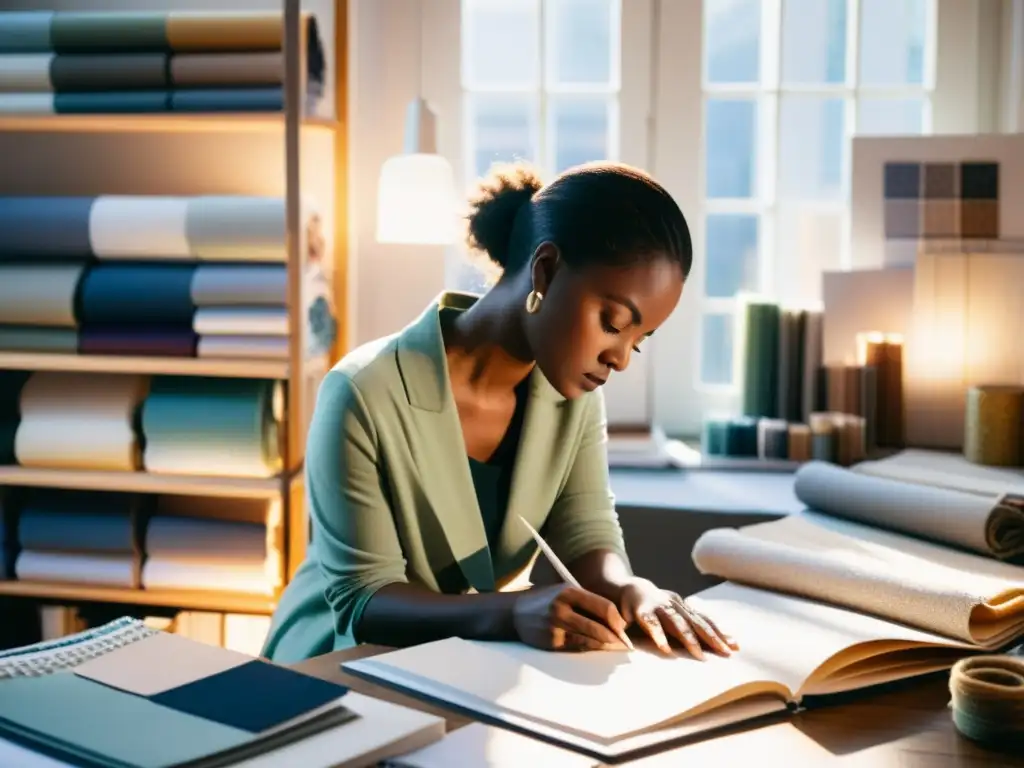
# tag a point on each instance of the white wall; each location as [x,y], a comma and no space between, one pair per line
[389,285]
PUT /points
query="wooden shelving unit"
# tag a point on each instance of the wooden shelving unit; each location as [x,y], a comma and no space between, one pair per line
[288,154]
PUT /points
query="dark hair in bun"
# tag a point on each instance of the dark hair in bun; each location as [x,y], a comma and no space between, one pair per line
[597,213]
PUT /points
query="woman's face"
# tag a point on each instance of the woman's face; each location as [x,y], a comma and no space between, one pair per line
[593,321]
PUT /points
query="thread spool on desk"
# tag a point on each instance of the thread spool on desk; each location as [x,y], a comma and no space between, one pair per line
[988,700]
[992,431]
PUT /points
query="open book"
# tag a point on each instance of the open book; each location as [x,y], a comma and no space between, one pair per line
[819,604]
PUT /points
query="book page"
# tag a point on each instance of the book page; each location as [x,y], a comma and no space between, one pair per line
[956,594]
[610,695]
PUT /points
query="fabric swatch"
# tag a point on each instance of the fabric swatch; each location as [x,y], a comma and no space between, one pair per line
[251,697]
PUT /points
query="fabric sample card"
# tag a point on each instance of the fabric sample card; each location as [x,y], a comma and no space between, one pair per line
[902,181]
[941,181]
[252,697]
[941,219]
[979,219]
[902,219]
[979,181]
[145,668]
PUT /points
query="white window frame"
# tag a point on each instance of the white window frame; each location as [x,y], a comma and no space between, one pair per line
[661,129]
[957,96]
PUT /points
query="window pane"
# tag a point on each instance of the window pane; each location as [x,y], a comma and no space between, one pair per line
[502,129]
[579,130]
[716,349]
[809,243]
[732,263]
[811,148]
[892,41]
[732,40]
[731,132]
[501,43]
[814,41]
[890,117]
[580,42]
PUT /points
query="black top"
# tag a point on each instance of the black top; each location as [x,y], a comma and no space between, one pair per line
[492,479]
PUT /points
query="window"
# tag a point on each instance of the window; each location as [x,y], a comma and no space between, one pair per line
[540,82]
[785,85]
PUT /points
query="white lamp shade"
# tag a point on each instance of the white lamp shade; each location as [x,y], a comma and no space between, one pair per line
[416,201]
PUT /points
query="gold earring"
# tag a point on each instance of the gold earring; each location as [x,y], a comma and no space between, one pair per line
[533,300]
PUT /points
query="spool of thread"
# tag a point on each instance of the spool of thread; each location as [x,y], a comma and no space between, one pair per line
[988,700]
[772,439]
[714,435]
[741,437]
[992,433]
[799,442]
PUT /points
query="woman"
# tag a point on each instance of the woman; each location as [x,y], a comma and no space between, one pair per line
[427,447]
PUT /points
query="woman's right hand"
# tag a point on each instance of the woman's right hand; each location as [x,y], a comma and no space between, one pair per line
[564,617]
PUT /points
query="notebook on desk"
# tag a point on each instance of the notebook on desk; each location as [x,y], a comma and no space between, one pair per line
[126,696]
[820,605]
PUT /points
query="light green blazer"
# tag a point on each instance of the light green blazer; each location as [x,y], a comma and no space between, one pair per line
[391,497]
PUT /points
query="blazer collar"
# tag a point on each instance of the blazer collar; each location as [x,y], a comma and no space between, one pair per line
[440,450]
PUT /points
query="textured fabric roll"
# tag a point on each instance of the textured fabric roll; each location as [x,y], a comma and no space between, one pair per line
[24,338]
[225,31]
[227,100]
[236,228]
[28,72]
[143,294]
[992,435]
[45,227]
[26,104]
[741,437]
[772,439]
[799,442]
[109,72]
[241,321]
[74,568]
[94,533]
[111,102]
[109,31]
[245,285]
[167,573]
[139,227]
[26,32]
[149,340]
[715,436]
[39,295]
[758,350]
[243,347]
[191,538]
[190,70]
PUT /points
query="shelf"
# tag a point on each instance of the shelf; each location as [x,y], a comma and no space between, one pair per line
[214,122]
[169,366]
[221,602]
[140,482]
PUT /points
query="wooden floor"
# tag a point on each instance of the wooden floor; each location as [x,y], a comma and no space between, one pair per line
[906,727]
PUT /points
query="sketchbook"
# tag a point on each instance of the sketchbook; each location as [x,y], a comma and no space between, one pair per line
[820,605]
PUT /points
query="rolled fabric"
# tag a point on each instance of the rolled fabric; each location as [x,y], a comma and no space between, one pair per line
[741,437]
[244,347]
[190,70]
[222,285]
[988,700]
[142,294]
[26,338]
[139,227]
[799,442]
[772,439]
[39,294]
[26,32]
[992,433]
[149,340]
[715,436]
[111,102]
[77,568]
[27,104]
[45,227]
[25,72]
[236,228]
[225,31]
[109,31]
[109,72]
[227,99]
[240,321]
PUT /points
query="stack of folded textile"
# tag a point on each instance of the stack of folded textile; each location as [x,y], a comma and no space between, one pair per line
[93,62]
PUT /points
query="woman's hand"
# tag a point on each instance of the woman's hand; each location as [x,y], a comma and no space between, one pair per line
[568,618]
[662,614]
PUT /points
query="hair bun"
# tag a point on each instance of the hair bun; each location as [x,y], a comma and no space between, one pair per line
[494,206]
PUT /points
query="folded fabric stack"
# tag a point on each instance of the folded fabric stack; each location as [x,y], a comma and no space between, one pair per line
[145,275]
[71,421]
[220,427]
[228,545]
[241,310]
[76,537]
[96,62]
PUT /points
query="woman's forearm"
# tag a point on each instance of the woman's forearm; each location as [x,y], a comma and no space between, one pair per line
[405,614]
[602,572]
